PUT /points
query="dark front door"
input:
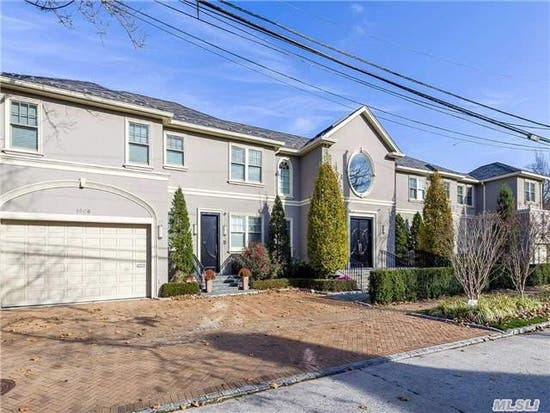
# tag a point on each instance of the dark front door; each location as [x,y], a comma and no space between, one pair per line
[210,236]
[360,242]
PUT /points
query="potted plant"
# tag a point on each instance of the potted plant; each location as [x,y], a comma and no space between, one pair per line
[244,273]
[209,277]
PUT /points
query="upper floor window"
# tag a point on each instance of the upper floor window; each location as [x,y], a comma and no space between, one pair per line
[285,177]
[244,231]
[174,155]
[447,187]
[138,143]
[246,164]
[529,191]
[464,195]
[24,126]
[417,188]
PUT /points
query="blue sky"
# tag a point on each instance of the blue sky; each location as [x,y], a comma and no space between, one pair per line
[494,52]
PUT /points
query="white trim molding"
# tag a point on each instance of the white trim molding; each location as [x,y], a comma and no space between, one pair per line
[57,164]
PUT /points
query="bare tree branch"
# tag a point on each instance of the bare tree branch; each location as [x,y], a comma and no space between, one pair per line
[529,237]
[541,166]
[479,240]
[96,12]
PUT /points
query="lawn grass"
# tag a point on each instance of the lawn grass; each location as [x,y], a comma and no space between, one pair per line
[502,311]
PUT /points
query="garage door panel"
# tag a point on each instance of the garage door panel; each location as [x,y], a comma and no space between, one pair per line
[54,262]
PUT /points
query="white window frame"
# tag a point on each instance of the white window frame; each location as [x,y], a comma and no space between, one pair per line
[127,163]
[246,180]
[529,183]
[290,227]
[246,215]
[8,147]
[418,179]
[445,185]
[291,178]
[167,165]
[465,189]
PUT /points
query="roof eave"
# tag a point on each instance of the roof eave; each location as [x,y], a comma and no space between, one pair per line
[444,174]
[522,174]
[79,97]
[192,127]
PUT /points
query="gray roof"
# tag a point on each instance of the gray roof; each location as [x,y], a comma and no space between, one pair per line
[409,162]
[180,112]
[493,170]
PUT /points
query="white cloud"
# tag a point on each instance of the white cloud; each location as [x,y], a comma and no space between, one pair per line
[357,8]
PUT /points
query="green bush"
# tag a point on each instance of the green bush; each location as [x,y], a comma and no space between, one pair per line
[270,284]
[411,284]
[174,289]
[540,275]
[324,284]
[301,269]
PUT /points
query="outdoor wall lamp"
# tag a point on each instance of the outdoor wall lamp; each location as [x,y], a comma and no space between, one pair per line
[160,231]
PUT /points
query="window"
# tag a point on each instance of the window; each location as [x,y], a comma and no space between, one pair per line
[245,230]
[360,173]
[174,151]
[447,186]
[24,126]
[246,164]
[417,188]
[469,196]
[529,191]
[138,143]
[464,195]
[285,187]
[460,194]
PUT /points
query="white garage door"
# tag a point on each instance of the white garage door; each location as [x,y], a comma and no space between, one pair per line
[55,262]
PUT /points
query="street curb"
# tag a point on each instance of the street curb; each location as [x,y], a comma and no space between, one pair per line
[217,397]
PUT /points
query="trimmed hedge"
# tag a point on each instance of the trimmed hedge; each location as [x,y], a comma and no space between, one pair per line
[411,284]
[540,276]
[307,283]
[174,289]
[269,283]
[324,284]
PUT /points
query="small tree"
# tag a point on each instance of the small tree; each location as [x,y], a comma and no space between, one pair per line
[401,237]
[479,243]
[327,236]
[414,233]
[180,242]
[278,243]
[506,204]
[528,229]
[437,235]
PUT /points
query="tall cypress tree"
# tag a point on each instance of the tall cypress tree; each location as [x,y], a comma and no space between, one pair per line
[437,235]
[278,243]
[506,204]
[327,233]
[401,237]
[414,233]
[179,235]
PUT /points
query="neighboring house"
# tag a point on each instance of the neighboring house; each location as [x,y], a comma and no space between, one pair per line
[87,176]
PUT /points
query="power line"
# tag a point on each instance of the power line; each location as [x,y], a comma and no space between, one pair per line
[500,143]
[310,49]
[272,46]
[410,49]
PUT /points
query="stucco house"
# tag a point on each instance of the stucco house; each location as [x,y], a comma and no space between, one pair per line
[87,176]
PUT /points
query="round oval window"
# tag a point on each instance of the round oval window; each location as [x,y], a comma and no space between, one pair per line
[360,173]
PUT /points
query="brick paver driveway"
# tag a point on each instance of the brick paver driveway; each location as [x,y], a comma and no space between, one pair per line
[142,353]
